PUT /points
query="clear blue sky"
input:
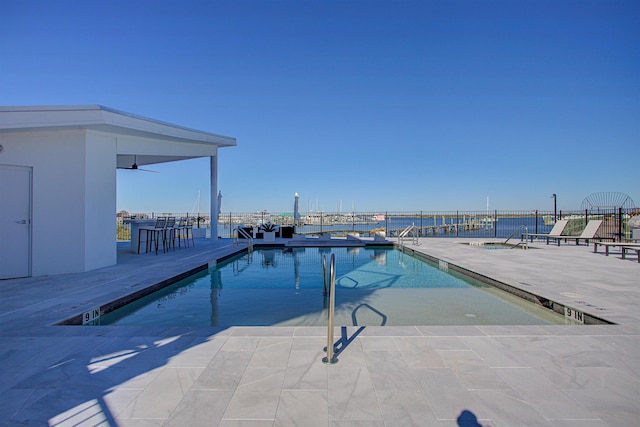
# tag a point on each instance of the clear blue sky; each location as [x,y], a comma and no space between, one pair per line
[381,105]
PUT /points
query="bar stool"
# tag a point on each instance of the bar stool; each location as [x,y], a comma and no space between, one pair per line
[187,231]
[181,230]
[169,234]
[152,234]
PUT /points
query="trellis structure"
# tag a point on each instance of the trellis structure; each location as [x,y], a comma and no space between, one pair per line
[607,201]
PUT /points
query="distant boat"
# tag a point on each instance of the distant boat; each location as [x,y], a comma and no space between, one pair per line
[379,217]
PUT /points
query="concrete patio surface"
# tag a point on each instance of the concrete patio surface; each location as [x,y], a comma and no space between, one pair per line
[501,376]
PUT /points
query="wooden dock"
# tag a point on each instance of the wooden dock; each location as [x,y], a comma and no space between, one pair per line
[427,230]
[432,230]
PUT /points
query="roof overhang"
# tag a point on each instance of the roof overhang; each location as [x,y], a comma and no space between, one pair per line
[103,119]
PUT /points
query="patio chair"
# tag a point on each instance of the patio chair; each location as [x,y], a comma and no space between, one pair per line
[186,231]
[178,229]
[556,231]
[621,245]
[589,233]
[631,247]
[169,234]
[152,234]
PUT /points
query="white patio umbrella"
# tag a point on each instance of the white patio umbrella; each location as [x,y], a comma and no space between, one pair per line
[296,212]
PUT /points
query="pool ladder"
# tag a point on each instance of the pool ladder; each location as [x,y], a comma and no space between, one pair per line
[406,233]
[526,235]
[330,359]
[244,234]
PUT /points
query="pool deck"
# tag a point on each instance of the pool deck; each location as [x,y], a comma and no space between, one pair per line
[499,376]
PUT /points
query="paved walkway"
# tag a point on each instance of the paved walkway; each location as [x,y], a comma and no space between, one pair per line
[499,376]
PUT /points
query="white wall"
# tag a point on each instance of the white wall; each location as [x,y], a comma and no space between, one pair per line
[100,200]
[67,173]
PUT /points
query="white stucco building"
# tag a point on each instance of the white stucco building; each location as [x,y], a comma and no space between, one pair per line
[58,181]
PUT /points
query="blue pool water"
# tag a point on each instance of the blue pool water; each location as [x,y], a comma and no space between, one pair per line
[374,287]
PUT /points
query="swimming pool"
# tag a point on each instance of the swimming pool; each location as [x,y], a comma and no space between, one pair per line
[284,286]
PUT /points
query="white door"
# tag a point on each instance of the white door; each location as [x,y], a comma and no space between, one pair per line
[15,221]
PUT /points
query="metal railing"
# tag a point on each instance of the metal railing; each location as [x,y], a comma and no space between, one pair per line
[324,274]
[468,224]
[526,237]
[406,232]
[244,234]
[330,358]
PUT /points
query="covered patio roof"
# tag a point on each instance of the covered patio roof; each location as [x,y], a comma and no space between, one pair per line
[150,141]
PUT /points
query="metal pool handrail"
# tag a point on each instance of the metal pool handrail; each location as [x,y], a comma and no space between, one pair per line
[245,235]
[526,234]
[331,359]
[324,274]
[404,233]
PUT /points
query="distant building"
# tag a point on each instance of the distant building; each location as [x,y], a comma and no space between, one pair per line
[58,181]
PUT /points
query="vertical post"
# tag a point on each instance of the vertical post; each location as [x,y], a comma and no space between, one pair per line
[620,224]
[536,213]
[331,359]
[420,232]
[457,222]
[386,223]
[586,218]
[555,207]
[495,223]
[213,201]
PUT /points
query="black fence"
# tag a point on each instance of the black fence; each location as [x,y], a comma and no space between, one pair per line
[470,224]
[123,221]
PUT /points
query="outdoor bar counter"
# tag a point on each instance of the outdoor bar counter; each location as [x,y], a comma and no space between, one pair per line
[135,233]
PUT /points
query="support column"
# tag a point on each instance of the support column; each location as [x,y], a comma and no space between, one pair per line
[213,197]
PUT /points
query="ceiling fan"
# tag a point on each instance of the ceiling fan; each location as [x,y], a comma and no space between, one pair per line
[135,167]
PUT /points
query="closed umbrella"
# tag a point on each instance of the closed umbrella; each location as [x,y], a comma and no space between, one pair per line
[296,212]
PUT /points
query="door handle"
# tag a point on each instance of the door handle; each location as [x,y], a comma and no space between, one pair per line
[24,221]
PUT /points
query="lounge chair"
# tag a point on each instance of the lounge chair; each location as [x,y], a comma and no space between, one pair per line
[556,231]
[630,248]
[624,247]
[379,238]
[589,233]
